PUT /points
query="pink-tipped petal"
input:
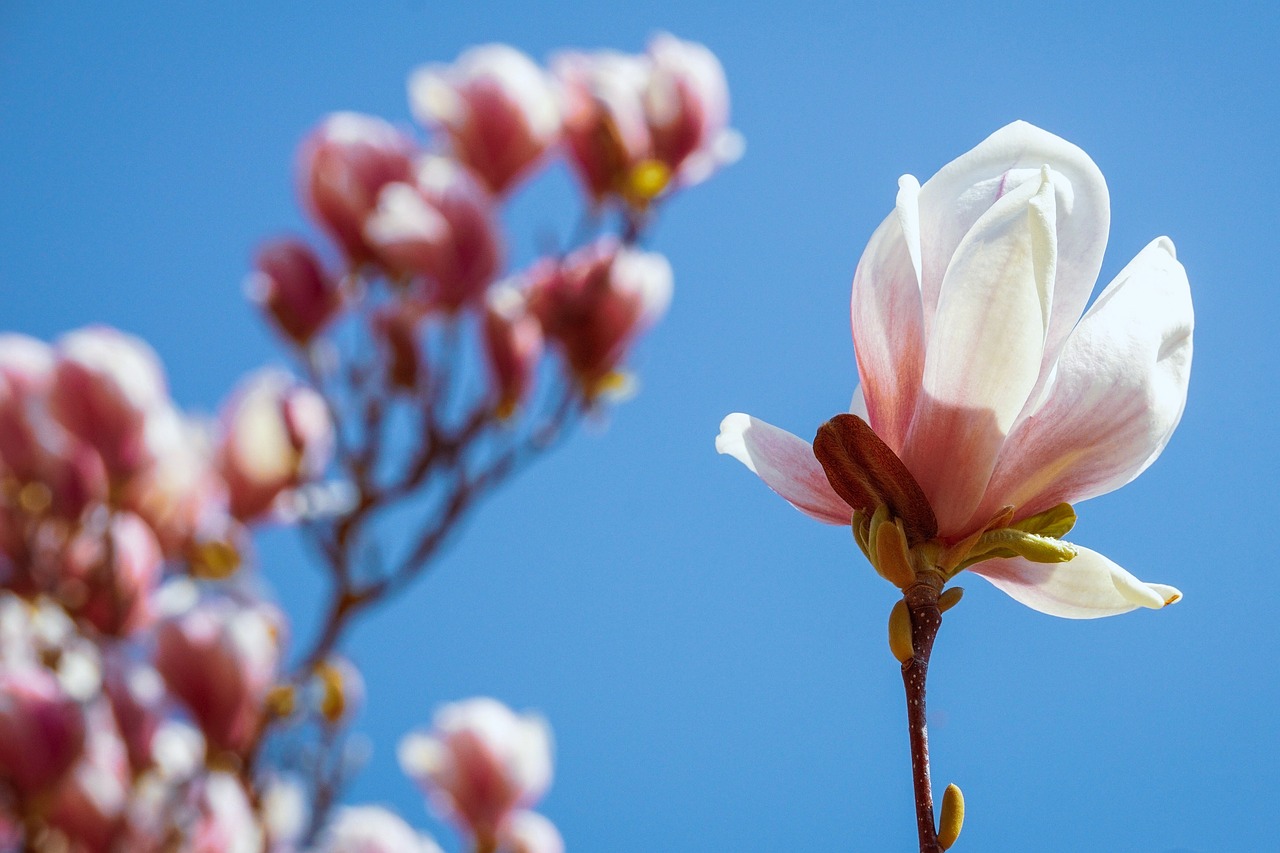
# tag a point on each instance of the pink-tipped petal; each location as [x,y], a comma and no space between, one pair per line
[985,349]
[888,322]
[1086,587]
[786,464]
[1118,392]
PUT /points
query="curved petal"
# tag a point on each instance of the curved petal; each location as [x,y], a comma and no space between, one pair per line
[1087,587]
[985,349]
[888,324]
[953,200]
[1116,397]
[858,405]
[786,464]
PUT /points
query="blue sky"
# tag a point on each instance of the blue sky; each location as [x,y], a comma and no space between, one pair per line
[714,663]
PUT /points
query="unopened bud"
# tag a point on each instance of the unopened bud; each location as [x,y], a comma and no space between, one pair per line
[900,632]
[892,560]
[340,689]
[1056,521]
[950,598]
[952,817]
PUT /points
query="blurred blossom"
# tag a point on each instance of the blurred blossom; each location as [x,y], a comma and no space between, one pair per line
[1001,404]
[596,302]
[136,693]
[88,806]
[342,166]
[219,655]
[441,228]
[293,287]
[284,810]
[638,124]
[372,829]
[480,762]
[106,577]
[42,729]
[226,821]
[529,832]
[497,108]
[107,387]
[277,436]
[514,343]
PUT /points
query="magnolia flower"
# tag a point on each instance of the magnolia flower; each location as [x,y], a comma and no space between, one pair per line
[294,289]
[992,404]
[496,106]
[529,832]
[342,165]
[480,763]
[513,343]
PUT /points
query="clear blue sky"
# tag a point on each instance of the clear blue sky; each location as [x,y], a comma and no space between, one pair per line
[714,663]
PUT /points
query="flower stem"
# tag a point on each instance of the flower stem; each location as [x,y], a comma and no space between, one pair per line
[926,619]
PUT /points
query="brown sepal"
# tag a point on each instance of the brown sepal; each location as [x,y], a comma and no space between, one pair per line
[865,473]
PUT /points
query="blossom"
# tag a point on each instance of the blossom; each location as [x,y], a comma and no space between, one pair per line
[480,763]
[372,829]
[294,289]
[497,108]
[992,404]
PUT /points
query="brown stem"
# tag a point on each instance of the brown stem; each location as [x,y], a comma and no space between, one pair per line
[926,619]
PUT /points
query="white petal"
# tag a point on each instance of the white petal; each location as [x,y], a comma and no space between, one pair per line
[1086,587]
[1118,392]
[985,350]
[786,464]
[952,201]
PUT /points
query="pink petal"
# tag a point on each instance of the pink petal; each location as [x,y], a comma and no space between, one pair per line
[888,324]
[786,464]
[1087,587]
[1118,392]
[984,351]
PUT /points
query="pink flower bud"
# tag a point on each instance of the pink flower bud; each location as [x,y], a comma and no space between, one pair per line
[686,104]
[480,763]
[219,656]
[293,287]
[42,729]
[497,107]
[277,436]
[181,495]
[26,374]
[342,166]
[89,804]
[529,832]
[226,821]
[513,342]
[137,696]
[107,576]
[604,123]
[371,829]
[597,301]
[106,387]
[442,228]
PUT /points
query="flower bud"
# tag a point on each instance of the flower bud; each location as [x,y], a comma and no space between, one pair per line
[277,435]
[107,576]
[88,805]
[480,763]
[42,729]
[26,374]
[372,829]
[342,166]
[686,105]
[295,290]
[529,832]
[106,388]
[497,108]
[513,342]
[596,302]
[340,689]
[136,693]
[440,228]
[951,819]
[605,126]
[219,656]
